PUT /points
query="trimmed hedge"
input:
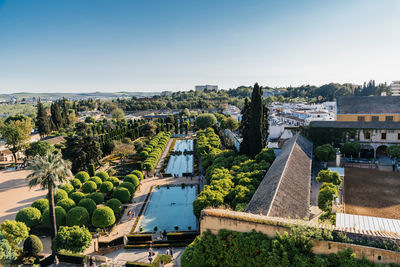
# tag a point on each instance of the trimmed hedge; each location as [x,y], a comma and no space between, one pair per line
[96,179]
[114,204]
[32,246]
[102,175]
[138,174]
[89,187]
[66,204]
[60,217]
[67,188]
[77,216]
[97,197]
[128,186]
[133,179]
[122,194]
[106,187]
[76,183]
[41,204]
[103,217]
[60,194]
[156,146]
[89,204]
[82,176]
[114,180]
[77,196]
[30,216]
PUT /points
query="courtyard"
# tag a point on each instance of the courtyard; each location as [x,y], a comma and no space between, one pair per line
[372,192]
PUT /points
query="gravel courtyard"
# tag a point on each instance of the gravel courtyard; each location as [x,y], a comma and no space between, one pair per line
[372,192]
[15,193]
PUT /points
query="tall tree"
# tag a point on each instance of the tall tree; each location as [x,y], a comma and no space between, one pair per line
[65,112]
[16,134]
[42,120]
[49,171]
[244,127]
[83,148]
[255,130]
[56,117]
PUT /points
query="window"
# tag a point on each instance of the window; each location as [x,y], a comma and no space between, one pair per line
[383,136]
[389,118]
[367,135]
[360,118]
[375,118]
[398,136]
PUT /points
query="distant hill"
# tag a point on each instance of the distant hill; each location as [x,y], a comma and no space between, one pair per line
[77,95]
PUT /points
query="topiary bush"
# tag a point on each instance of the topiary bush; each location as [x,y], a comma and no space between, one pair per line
[133,179]
[114,204]
[32,246]
[76,183]
[60,194]
[60,217]
[97,180]
[122,194]
[66,187]
[88,204]
[89,187]
[82,176]
[103,217]
[66,204]
[41,204]
[77,196]
[114,180]
[97,197]
[103,175]
[77,216]
[106,187]
[138,174]
[128,186]
[30,216]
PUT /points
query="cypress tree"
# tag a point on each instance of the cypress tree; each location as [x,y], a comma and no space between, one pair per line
[56,116]
[42,120]
[244,128]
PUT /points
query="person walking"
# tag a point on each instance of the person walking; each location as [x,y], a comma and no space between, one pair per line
[129,214]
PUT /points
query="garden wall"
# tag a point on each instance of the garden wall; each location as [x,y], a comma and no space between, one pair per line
[215,220]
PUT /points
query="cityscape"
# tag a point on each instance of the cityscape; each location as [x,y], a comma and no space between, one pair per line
[187,133]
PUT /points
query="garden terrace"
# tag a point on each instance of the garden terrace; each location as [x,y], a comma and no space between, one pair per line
[285,189]
[153,150]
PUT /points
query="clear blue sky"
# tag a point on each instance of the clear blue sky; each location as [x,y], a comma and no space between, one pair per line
[148,45]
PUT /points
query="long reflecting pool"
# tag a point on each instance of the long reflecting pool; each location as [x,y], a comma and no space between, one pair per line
[169,208]
[179,164]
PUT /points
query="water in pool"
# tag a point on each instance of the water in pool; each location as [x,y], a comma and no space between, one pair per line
[179,164]
[170,207]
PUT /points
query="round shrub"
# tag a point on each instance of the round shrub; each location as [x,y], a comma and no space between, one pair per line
[128,186]
[66,204]
[103,217]
[66,187]
[60,217]
[122,194]
[30,216]
[82,176]
[143,154]
[138,174]
[41,204]
[89,187]
[114,204]
[103,175]
[97,197]
[60,194]
[32,246]
[106,187]
[77,196]
[76,183]
[88,204]
[96,179]
[131,178]
[114,180]
[77,216]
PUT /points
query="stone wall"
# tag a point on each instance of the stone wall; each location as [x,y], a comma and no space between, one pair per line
[215,220]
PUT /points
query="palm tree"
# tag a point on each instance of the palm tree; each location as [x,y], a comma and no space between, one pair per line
[48,171]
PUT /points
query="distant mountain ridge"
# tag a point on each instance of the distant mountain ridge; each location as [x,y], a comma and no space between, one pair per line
[77,95]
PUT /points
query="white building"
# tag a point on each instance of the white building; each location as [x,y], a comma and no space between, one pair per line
[207,87]
[395,88]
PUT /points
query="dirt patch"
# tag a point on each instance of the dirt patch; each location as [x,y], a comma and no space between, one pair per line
[371,192]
